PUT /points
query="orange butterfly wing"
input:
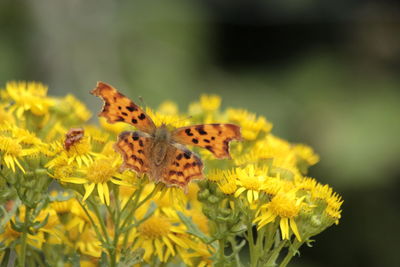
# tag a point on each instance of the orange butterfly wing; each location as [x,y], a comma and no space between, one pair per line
[182,167]
[214,137]
[133,146]
[118,107]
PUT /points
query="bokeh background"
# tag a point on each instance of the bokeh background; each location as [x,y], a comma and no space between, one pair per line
[326,73]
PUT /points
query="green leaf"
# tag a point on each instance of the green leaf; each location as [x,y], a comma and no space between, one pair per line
[37,225]
[193,229]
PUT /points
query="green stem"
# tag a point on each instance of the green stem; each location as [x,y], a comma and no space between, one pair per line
[253,253]
[292,251]
[22,255]
[221,250]
[236,251]
[102,224]
[116,218]
[96,229]
[136,205]
[275,253]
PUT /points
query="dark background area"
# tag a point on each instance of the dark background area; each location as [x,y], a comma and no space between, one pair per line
[326,73]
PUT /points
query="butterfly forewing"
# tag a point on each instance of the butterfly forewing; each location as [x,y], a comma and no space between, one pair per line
[134,147]
[214,137]
[118,107]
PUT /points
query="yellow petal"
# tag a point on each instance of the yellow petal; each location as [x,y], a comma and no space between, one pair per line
[74,180]
[284,228]
[169,245]
[101,192]
[239,191]
[106,193]
[88,190]
[250,196]
[79,161]
[159,249]
[148,249]
[293,226]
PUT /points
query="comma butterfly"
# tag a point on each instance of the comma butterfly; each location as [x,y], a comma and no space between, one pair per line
[157,151]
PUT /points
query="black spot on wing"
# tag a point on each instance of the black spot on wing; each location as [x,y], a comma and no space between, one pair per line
[134,121]
[195,141]
[188,132]
[200,130]
[187,154]
[119,118]
[142,116]
[135,136]
[131,108]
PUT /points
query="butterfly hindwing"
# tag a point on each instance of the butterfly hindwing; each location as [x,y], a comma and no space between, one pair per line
[134,147]
[182,167]
[118,107]
[214,137]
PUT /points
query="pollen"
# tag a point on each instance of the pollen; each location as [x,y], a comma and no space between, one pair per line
[284,205]
[100,171]
[155,227]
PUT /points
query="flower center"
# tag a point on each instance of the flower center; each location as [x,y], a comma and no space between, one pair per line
[80,148]
[155,227]
[284,205]
[100,171]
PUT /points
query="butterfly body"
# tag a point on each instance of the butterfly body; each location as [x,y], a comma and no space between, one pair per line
[158,151]
[160,144]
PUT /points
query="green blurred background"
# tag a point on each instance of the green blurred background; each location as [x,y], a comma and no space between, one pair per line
[326,73]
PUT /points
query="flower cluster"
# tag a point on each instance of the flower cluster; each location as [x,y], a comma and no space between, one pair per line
[66,201]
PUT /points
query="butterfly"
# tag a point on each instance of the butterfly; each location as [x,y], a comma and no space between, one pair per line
[157,151]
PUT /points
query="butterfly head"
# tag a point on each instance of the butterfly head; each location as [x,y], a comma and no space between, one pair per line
[162,134]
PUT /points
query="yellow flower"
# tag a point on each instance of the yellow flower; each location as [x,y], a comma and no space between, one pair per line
[62,206]
[168,107]
[160,236]
[30,96]
[171,120]
[10,235]
[251,125]
[75,108]
[10,151]
[80,153]
[227,186]
[210,103]
[5,115]
[306,153]
[78,219]
[115,128]
[86,241]
[285,207]
[98,174]
[248,180]
[332,201]
[216,174]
